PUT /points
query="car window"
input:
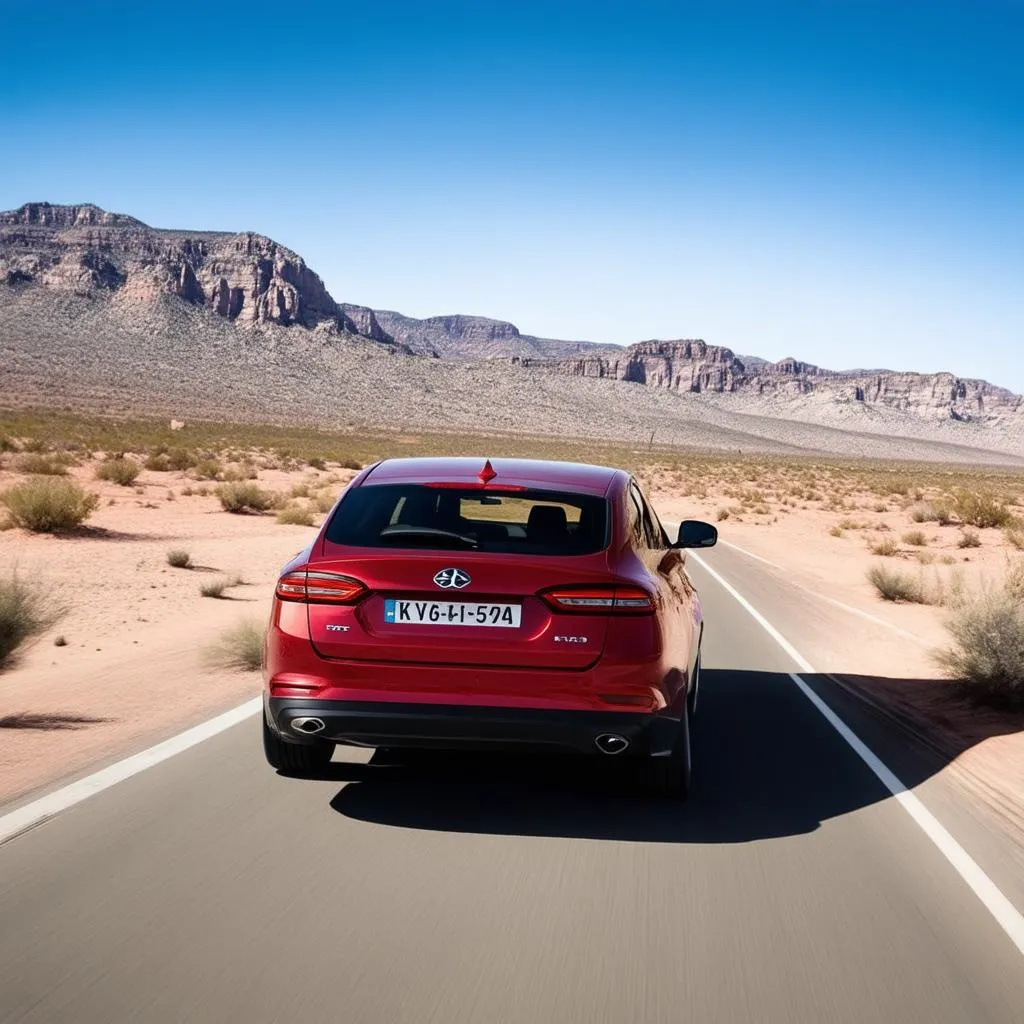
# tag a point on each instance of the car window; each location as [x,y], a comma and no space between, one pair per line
[535,522]
[634,520]
[652,534]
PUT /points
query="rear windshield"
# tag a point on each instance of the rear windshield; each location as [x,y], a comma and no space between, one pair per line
[515,522]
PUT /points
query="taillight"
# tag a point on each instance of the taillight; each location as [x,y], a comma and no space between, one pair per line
[319,588]
[605,599]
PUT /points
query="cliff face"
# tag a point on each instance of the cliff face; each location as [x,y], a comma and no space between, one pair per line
[89,252]
[204,287]
[696,367]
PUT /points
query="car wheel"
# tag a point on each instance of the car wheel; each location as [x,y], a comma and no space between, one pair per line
[672,776]
[299,759]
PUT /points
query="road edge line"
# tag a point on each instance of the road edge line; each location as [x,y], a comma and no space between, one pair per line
[22,819]
[1006,915]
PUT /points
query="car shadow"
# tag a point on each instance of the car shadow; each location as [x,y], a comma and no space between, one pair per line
[766,764]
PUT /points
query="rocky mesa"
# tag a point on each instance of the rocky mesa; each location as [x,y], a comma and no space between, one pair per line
[238,323]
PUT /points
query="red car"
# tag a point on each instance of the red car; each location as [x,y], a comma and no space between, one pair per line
[463,603]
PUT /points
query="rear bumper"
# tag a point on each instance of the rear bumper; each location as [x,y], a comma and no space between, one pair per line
[472,727]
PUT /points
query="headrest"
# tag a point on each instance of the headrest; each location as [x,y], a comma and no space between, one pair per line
[546,521]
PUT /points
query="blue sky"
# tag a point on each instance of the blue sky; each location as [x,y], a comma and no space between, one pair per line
[838,181]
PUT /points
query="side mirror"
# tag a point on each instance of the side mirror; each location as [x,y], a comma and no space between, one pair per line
[695,534]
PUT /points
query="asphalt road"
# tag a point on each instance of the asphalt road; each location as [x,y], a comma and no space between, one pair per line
[791,888]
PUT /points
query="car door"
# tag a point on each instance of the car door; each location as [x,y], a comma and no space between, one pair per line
[679,608]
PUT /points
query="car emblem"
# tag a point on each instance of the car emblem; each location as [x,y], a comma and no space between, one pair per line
[452,579]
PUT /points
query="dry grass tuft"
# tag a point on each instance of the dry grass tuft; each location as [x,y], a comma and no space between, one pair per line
[915,538]
[179,558]
[26,610]
[239,647]
[214,588]
[969,538]
[980,509]
[884,546]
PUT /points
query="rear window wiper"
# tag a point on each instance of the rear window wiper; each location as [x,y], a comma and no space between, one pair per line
[427,533]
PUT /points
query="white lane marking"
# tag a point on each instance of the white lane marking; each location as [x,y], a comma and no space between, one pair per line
[22,818]
[1006,914]
[831,600]
[750,554]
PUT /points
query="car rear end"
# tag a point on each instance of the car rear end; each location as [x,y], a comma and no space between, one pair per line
[448,603]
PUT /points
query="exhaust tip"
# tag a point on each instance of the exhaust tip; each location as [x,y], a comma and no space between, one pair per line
[308,726]
[611,743]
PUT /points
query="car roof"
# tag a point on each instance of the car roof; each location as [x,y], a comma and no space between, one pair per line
[537,473]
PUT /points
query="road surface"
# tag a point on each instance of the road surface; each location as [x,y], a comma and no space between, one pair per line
[791,888]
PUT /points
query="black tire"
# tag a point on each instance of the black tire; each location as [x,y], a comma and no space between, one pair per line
[672,777]
[298,759]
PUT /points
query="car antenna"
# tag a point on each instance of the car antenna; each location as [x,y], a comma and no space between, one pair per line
[487,474]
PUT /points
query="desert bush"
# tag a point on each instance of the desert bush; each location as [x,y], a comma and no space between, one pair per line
[40,465]
[207,469]
[300,491]
[295,515]
[837,531]
[893,585]
[239,647]
[884,546]
[318,463]
[158,462]
[987,654]
[1014,536]
[915,538]
[179,558]
[924,512]
[180,459]
[8,444]
[1013,584]
[214,588]
[722,514]
[119,471]
[323,501]
[245,496]
[26,609]
[969,538]
[350,464]
[980,509]
[246,471]
[48,505]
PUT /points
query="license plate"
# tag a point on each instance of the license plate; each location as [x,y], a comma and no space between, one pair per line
[452,613]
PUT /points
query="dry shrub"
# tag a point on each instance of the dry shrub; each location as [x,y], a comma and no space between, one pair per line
[26,609]
[40,465]
[893,585]
[969,538]
[239,647]
[924,512]
[1014,534]
[318,463]
[987,654]
[837,531]
[884,546]
[214,588]
[48,504]
[980,509]
[295,515]
[323,501]
[119,471]
[350,464]
[179,558]
[208,469]
[245,496]
[915,538]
